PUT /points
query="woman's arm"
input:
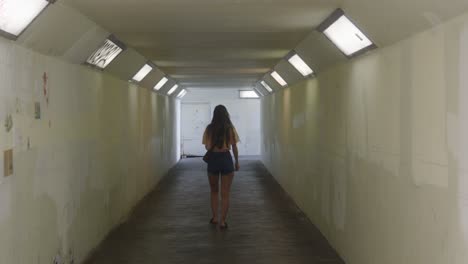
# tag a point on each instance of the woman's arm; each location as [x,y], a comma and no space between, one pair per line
[236,156]
[235,150]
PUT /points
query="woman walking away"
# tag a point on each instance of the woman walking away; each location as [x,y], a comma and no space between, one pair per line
[218,138]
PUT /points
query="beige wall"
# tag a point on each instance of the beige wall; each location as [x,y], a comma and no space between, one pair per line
[100,146]
[375,150]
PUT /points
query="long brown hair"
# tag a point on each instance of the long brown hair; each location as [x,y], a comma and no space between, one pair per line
[220,128]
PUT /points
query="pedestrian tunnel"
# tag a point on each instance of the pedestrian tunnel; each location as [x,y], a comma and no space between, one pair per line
[352,118]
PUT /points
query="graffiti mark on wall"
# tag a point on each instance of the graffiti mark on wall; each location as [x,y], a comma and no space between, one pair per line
[8,123]
[45,88]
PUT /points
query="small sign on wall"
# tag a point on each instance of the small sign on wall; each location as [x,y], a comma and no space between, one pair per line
[8,162]
[37,110]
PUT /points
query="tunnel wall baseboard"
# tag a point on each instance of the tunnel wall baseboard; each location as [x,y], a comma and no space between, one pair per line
[374,150]
[86,148]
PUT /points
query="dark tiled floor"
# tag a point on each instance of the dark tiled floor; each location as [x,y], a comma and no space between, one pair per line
[171,225]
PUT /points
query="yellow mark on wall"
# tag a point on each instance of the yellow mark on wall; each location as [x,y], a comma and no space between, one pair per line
[8,162]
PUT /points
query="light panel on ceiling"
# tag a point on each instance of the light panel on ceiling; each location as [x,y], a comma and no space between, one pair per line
[300,65]
[182,93]
[345,34]
[105,54]
[161,83]
[141,74]
[172,90]
[267,87]
[278,78]
[248,94]
[258,91]
[16,15]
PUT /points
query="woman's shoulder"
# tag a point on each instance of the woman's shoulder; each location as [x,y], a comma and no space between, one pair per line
[234,135]
[233,129]
[208,128]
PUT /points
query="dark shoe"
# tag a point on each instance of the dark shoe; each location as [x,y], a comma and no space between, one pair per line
[225,226]
[213,222]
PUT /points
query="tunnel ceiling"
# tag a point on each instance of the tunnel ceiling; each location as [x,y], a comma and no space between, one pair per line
[233,43]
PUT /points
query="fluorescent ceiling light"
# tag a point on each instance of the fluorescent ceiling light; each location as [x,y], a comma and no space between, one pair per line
[279,79]
[173,89]
[182,93]
[16,15]
[266,86]
[345,34]
[161,83]
[258,91]
[141,74]
[105,54]
[248,94]
[300,65]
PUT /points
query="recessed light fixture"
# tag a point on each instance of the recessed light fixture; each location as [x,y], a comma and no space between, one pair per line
[245,94]
[278,78]
[182,93]
[266,86]
[258,91]
[109,50]
[161,83]
[141,74]
[173,89]
[17,15]
[345,34]
[300,65]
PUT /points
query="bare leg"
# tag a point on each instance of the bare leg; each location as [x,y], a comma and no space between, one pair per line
[226,181]
[214,186]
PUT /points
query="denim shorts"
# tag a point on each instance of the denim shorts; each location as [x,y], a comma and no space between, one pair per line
[220,163]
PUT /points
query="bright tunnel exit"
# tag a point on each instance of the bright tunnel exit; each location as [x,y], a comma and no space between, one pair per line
[197,110]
